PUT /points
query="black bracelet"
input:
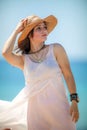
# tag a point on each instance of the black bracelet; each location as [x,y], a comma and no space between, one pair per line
[74,96]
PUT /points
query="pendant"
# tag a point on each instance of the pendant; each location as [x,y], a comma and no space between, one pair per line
[40,61]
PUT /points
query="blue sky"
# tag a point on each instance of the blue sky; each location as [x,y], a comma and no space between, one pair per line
[71,30]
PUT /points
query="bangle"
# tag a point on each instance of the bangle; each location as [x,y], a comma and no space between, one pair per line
[74,96]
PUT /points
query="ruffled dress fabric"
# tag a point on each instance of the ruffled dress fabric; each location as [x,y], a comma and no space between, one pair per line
[42,104]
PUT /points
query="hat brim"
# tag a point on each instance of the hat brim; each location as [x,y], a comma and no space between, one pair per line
[51,22]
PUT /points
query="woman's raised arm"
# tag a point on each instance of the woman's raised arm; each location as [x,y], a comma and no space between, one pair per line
[13,59]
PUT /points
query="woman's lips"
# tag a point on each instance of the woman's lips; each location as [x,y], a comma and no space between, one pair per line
[44,35]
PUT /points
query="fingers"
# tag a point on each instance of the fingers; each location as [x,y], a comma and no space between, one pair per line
[24,22]
[74,112]
[75,116]
[21,25]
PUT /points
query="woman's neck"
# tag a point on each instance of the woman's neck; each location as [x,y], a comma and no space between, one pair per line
[36,47]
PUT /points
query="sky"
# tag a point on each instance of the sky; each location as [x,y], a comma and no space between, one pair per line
[70,32]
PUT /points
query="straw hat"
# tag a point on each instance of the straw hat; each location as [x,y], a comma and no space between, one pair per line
[34,20]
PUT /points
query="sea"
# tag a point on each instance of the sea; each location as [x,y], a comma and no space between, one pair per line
[12,81]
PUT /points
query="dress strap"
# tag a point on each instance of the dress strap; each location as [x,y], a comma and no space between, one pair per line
[51,50]
[52,54]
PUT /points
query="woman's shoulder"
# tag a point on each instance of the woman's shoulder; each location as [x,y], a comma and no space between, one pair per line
[56,46]
[58,49]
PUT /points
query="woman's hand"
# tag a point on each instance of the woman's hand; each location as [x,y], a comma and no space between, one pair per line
[74,112]
[21,25]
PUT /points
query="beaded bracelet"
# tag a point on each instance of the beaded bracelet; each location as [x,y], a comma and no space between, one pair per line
[74,96]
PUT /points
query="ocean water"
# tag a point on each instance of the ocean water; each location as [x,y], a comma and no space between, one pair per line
[12,81]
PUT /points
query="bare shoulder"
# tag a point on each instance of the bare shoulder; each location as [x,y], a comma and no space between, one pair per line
[60,54]
[58,46]
[58,49]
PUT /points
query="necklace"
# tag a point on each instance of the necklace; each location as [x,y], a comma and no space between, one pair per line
[37,50]
[39,56]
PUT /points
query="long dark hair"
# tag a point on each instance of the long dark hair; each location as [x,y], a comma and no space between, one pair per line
[24,46]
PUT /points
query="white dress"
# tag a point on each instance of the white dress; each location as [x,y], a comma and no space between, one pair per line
[42,104]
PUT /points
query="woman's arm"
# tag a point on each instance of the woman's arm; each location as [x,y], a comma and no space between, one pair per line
[9,45]
[63,62]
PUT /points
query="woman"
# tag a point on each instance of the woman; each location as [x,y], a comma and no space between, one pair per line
[44,97]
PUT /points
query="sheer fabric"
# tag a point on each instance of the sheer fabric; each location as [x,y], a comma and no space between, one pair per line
[42,104]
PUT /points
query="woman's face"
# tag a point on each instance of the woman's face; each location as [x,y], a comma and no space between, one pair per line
[39,33]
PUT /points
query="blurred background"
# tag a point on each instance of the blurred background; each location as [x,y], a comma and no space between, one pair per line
[71,33]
